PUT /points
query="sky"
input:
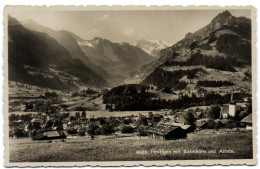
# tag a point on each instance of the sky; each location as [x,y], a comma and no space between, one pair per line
[128,25]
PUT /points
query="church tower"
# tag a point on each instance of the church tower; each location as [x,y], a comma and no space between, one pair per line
[232,107]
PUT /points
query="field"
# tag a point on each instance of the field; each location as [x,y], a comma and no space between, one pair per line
[234,145]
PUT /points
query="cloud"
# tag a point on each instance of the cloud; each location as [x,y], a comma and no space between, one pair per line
[103,18]
[128,31]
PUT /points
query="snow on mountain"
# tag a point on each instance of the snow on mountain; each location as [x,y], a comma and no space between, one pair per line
[152,47]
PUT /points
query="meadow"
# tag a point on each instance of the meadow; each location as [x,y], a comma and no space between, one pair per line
[235,145]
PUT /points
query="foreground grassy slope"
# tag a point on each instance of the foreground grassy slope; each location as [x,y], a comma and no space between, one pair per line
[107,149]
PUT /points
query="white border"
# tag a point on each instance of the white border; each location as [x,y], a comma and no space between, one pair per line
[255,3]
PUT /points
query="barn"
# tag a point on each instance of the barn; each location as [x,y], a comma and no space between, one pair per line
[166,132]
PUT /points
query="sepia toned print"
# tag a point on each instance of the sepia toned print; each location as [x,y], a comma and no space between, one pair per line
[113,86]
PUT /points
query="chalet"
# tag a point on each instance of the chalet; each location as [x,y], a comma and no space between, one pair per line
[166,132]
[247,121]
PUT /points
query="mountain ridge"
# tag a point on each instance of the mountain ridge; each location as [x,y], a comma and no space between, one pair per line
[36,58]
[222,20]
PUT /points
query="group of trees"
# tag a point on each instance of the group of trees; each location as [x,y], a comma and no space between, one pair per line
[207,83]
[24,117]
[162,78]
[105,129]
[84,93]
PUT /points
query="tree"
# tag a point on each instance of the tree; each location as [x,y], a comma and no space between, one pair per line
[92,128]
[142,120]
[106,129]
[83,115]
[125,121]
[142,131]
[150,114]
[49,124]
[214,112]
[72,130]
[19,133]
[77,115]
[157,118]
[189,117]
[13,117]
[167,90]
[26,117]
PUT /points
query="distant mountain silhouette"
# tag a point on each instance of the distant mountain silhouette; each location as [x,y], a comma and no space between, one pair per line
[115,58]
[69,41]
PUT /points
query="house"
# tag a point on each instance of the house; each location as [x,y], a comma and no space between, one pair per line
[247,121]
[166,132]
[198,114]
[51,135]
[187,128]
[201,124]
[181,120]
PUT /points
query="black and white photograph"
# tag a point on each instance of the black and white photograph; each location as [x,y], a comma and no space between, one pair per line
[129,86]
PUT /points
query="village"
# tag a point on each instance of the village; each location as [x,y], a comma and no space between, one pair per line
[43,116]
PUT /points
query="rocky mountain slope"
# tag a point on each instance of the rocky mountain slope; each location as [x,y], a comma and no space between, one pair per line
[224,45]
[38,59]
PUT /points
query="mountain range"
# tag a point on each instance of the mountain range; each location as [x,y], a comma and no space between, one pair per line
[61,59]
[116,58]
